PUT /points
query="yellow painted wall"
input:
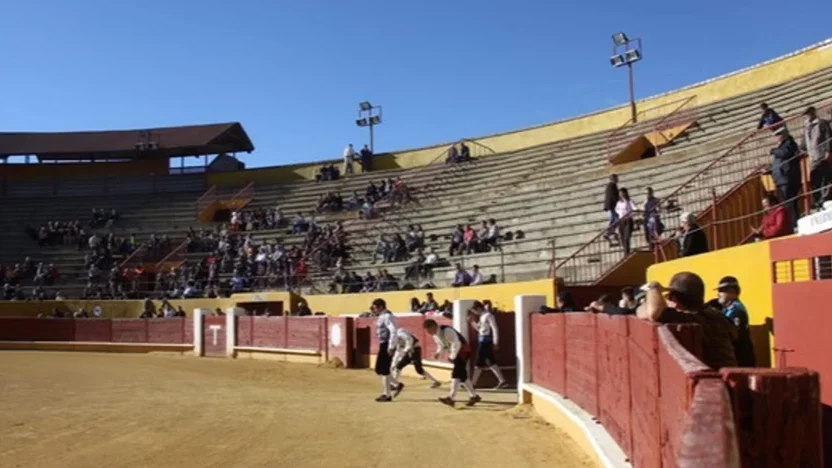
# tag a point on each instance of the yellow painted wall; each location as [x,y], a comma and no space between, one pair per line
[763,76]
[501,295]
[751,265]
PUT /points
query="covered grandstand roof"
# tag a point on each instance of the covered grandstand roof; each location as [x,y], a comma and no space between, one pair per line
[167,142]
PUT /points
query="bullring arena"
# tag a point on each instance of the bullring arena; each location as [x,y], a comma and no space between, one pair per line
[197,325]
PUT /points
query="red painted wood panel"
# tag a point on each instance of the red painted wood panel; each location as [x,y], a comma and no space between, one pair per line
[93,330]
[548,351]
[644,390]
[614,378]
[244,330]
[129,330]
[33,329]
[305,333]
[269,332]
[581,361]
[166,330]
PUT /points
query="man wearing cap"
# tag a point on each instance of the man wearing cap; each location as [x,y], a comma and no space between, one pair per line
[683,301]
[785,170]
[816,136]
[734,310]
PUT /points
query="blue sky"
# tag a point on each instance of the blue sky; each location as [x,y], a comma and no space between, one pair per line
[293,72]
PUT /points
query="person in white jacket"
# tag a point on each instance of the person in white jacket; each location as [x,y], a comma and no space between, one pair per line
[451,342]
[385,332]
[409,351]
[482,317]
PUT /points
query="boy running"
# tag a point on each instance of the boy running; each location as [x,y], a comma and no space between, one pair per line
[409,350]
[385,332]
[482,317]
[450,341]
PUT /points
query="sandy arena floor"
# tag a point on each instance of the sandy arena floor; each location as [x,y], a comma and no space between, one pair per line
[98,410]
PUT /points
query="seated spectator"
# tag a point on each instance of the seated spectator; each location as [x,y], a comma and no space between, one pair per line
[430,304]
[476,276]
[604,305]
[415,305]
[734,310]
[457,241]
[299,224]
[180,312]
[218,312]
[367,211]
[464,153]
[776,221]
[414,269]
[491,238]
[453,155]
[383,250]
[770,119]
[628,299]
[685,303]
[303,310]
[461,278]
[470,241]
[400,192]
[692,240]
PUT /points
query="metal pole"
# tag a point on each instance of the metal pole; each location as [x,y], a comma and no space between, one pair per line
[632,94]
[372,147]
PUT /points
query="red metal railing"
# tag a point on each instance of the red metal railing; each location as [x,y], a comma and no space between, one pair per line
[245,193]
[140,250]
[174,255]
[698,194]
[654,119]
[207,198]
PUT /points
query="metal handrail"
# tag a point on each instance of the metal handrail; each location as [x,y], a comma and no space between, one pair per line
[170,254]
[199,201]
[141,248]
[611,141]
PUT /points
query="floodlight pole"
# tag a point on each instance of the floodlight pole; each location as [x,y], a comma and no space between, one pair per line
[372,147]
[633,111]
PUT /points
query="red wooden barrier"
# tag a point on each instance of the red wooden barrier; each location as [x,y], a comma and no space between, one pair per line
[710,437]
[642,348]
[166,330]
[129,331]
[613,368]
[581,361]
[548,348]
[245,332]
[93,330]
[268,332]
[31,329]
[777,414]
[305,333]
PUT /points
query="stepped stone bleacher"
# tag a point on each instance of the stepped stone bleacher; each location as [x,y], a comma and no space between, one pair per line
[552,194]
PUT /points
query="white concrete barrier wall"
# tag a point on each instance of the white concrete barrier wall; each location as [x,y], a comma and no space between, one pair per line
[523,307]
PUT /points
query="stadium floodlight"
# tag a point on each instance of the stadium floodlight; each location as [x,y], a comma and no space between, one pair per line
[620,38]
[368,116]
[626,51]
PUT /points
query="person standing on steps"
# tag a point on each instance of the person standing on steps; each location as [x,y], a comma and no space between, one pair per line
[610,200]
[386,333]
[450,341]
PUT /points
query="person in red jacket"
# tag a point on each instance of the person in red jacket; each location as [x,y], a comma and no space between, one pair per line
[776,220]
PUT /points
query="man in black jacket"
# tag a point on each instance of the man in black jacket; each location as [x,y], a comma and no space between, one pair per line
[610,199]
[785,170]
[693,240]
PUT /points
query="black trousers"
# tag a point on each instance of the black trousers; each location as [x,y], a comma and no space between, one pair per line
[383,360]
[485,354]
[625,232]
[414,357]
[788,195]
[821,177]
[460,367]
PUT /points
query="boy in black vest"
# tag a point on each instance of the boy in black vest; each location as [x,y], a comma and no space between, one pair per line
[450,341]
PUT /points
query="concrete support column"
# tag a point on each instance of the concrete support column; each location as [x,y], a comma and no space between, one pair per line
[198,332]
[523,307]
[230,331]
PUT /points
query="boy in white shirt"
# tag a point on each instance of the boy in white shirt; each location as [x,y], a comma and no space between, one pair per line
[450,341]
[386,332]
[409,351]
[482,317]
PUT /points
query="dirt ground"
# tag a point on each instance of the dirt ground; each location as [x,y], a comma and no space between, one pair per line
[107,410]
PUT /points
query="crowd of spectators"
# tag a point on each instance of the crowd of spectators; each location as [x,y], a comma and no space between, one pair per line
[463,154]
[468,240]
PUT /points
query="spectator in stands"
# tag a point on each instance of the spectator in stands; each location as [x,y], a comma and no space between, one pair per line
[431,259]
[611,198]
[470,241]
[685,303]
[776,222]
[476,276]
[734,310]
[563,303]
[457,241]
[624,211]
[769,119]
[383,250]
[453,155]
[461,278]
[816,140]
[491,239]
[692,240]
[628,299]
[299,224]
[785,171]
[653,227]
[430,304]
[464,153]
[349,155]
[366,159]
[604,305]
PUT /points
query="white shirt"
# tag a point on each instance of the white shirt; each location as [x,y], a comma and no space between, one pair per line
[476,279]
[487,326]
[447,341]
[430,258]
[96,311]
[623,208]
[385,327]
[405,341]
[493,231]
[349,152]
